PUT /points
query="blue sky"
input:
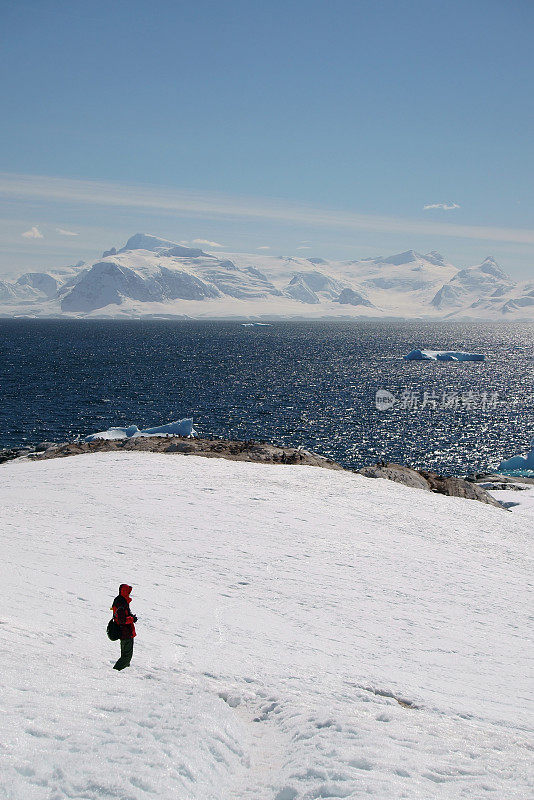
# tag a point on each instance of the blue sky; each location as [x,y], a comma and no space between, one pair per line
[287,125]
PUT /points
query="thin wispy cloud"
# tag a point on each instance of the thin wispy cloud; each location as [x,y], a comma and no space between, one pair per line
[33,233]
[196,205]
[64,232]
[263,247]
[442,206]
[206,242]
[303,247]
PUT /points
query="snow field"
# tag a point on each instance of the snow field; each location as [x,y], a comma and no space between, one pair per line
[302,634]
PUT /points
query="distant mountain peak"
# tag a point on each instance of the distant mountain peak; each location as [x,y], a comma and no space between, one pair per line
[154,244]
[435,258]
[401,258]
[411,256]
[491,267]
[146,241]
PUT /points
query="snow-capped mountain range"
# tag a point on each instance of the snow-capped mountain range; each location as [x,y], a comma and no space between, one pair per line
[153,277]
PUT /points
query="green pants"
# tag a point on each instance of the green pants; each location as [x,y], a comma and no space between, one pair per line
[126,654]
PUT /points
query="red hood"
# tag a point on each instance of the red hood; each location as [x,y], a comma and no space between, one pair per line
[124,591]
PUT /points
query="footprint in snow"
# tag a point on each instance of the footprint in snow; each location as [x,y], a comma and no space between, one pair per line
[361,763]
[287,793]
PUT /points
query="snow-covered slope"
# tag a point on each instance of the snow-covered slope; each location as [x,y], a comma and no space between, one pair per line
[302,634]
[134,277]
[33,289]
[151,276]
[486,285]
[405,272]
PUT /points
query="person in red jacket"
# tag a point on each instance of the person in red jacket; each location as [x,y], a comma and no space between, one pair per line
[125,620]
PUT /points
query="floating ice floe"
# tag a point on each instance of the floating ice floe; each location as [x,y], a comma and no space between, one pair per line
[443,355]
[181,427]
[520,464]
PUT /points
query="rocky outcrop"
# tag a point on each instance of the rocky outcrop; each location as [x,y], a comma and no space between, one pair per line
[430,482]
[398,473]
[261,452]
[501,486]
[10,453]
[458,487]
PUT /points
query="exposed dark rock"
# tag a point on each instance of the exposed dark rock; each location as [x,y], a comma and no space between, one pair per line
[485,477]
[458,487]
[501,487]
[430,481]
[9,453]
[233,450]
[180,447]
[397,473]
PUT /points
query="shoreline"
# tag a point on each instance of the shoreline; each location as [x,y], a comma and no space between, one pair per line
[470,488]
[231,449]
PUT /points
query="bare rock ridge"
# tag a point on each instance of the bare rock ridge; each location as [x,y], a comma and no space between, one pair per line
[258,452]
[234,450]
[397,473]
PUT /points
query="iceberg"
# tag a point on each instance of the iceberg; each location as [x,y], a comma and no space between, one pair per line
[181,427]
[520,464]
[443,355]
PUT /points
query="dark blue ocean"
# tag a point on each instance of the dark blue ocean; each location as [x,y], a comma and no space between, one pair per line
[294,383]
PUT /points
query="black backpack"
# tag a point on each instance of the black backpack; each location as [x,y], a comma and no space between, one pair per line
[113,630]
